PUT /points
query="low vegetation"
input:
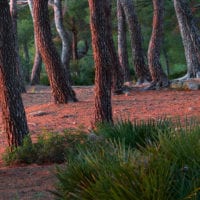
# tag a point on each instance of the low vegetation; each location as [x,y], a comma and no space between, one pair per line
[142,160]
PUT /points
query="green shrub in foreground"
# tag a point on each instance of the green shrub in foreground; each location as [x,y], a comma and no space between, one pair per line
[137,134]
[166,170]
[49,148]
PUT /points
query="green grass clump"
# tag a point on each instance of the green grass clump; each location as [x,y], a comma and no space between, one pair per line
[49,148]
[167,168]
[137,134]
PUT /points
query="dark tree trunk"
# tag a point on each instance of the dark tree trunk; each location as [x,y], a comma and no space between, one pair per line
[190,36]
[37,65]
[159,78]
[141,68]
[165,54]
[122,42]
[83,52]
[14,118]
[27,59]
[61,89]
[99,19]
[13,11]
[74,41]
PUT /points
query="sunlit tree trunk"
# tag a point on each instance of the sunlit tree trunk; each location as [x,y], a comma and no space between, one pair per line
[13,11]
[141,68]
[159,78]
[61,89]
[37,65]
[190,35]
[13,114]
[122,42]
[64,35]
[99,20]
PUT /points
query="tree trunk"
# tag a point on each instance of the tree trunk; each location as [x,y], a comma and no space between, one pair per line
[141,69]
[14,118]
[64,35]
[13,11]
[99,17]
[165,54]
[117,74]
[159,78]
[122,42]
[27,60]
[61,89]
[74,41]
[37,65]
[190,35]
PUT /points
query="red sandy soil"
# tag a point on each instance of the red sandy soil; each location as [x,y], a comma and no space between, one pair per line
[34,182]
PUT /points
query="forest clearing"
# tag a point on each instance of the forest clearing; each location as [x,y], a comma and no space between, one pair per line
[35,181]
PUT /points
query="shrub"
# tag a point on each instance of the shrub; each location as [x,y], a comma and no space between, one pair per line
[49,148]
[135,134]
[167,169]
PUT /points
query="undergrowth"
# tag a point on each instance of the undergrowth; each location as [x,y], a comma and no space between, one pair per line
[49,148]
[162,162]
[152,160]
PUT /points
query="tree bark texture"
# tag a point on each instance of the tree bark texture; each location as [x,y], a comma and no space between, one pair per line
[117,73]
[122,42]
[159,78]
[65,37]
[190,35]
[99,17]
[13,114]
[61,89]
[37,65]
[141,68]
[13,12]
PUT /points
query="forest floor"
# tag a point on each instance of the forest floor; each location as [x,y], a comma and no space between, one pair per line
[34,181]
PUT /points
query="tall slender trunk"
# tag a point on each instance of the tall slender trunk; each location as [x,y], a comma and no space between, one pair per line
[37,65]
[64,35]
[190,34]
[141,68]
[14,118]
[159,78]
[61,88]
[27,60]
[99,20]
[13,11]
[74,41]
[122,42]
